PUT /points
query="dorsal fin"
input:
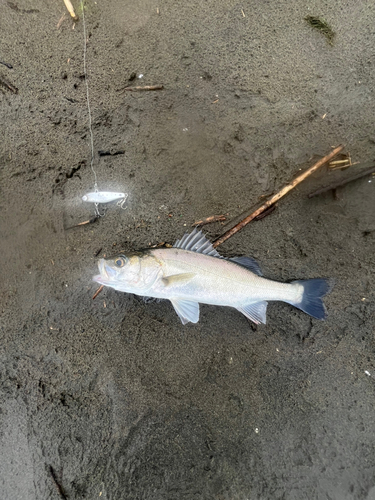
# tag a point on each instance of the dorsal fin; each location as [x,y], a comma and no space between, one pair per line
[249,263]
[196,241]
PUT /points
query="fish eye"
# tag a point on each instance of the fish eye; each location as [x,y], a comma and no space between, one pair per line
[120,262]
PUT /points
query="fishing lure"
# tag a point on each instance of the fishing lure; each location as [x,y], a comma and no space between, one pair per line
[103,197]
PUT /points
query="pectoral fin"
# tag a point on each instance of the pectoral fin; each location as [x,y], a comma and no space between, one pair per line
[186,310]
[256,311]
[177,278]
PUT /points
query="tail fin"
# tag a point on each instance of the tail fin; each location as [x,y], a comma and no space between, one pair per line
[314,290]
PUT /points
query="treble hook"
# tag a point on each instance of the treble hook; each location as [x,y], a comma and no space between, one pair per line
[121,203]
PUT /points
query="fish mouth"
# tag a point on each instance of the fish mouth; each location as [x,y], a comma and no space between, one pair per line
[104,278]
[98,279]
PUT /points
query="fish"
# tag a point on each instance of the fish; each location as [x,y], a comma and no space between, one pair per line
[103,197]
[193,272]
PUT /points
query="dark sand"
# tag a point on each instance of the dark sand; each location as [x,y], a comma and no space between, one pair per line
[114,398]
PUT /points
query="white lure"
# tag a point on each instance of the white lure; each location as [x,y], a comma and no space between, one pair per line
[103,197]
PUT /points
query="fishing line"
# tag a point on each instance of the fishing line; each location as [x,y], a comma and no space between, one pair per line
[98,196]
[88,104]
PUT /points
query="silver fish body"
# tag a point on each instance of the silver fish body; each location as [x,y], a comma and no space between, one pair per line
[193,272]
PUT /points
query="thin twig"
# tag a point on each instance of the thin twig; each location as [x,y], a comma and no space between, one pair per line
[97,292]
[146,87]
[208,220]
[60,21]
[9,86]
[93,219]
[70,8]
[277,196]
[343,182]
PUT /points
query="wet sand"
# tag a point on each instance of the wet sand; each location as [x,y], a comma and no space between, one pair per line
[113,398]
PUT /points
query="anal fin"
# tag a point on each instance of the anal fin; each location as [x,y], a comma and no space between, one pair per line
[187,310]
[256,311]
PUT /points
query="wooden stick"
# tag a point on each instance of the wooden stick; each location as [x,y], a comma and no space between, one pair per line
[277,196]
[97,292]
[335,185]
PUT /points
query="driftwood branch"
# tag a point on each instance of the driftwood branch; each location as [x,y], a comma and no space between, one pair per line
[277,196]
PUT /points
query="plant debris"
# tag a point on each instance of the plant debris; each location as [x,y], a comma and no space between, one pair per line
[93,219]
[69,6]
[343,161]
[209,220]
[143,88]
[97,292]
[322,26]
[8,86]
